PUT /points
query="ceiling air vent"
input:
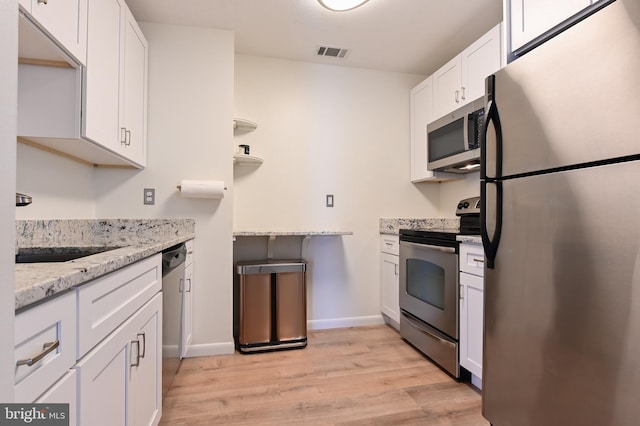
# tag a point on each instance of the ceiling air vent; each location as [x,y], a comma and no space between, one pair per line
[333,52]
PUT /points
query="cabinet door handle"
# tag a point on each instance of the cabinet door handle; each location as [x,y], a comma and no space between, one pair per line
[189,288]
[464,96]
[123,135]
[144,344]
[181,285]
[457,97]
[461,292]
[47,348]
[42,1]
[127,137]
[137,343]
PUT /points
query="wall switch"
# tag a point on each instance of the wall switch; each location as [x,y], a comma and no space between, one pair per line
[329,200]
[149,196]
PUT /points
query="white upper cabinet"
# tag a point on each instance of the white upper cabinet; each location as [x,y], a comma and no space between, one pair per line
[64,21]
[421,107]
[461,80]
[116,80]
[530,19]
[478,61]
[96,114]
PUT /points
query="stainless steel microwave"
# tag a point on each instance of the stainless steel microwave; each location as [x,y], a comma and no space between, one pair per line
[453,141]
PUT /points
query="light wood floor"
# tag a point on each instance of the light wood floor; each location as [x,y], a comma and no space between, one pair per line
[351,376]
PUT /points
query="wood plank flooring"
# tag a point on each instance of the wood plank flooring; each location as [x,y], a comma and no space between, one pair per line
[351,376]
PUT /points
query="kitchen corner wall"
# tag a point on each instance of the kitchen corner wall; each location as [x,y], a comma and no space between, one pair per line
[189,137]
[325,129]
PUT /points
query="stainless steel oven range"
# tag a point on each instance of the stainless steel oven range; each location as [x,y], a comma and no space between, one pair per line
[429,289]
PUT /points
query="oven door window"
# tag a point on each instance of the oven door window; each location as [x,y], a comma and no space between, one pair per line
[426,281]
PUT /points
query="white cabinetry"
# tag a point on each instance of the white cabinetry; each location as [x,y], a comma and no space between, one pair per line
[119,346]
[65,22]
[44,347]
[96,114]
[472,309]
[461,80]
[116,80]
[187,301]
[119,380]
[389,278]
[528,20]
[421,106]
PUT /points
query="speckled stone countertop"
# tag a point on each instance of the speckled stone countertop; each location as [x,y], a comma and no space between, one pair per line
[469,239]
[136,239]
[392,226]
[289,233]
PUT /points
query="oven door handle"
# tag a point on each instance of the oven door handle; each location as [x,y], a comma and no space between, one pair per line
[419,327]
[421,246]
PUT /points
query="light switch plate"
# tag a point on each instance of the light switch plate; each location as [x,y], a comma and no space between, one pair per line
[329,200]
[149,196]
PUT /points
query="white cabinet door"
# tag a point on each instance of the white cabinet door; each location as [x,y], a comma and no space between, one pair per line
[529,19]
[446,88]
[145,392]
[102,75]
[116,383]
[187,310]
[134,91]
[421,107]
[481,59]
[64,391]
[66,22]
[471,322]
[390,286]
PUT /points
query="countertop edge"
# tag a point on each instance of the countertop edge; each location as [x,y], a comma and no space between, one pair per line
[34,288]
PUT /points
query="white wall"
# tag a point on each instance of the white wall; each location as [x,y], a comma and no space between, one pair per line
[190,137]
[454,191]
[328,130]
[61,188]
[8,120]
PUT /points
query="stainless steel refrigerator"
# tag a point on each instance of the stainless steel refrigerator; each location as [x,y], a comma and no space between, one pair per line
[560,184]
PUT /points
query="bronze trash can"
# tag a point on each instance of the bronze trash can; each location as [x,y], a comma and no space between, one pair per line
[272,305]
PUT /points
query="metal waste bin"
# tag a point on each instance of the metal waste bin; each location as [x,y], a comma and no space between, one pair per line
[272,306]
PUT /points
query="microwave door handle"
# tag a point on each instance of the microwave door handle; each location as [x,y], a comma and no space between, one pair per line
[465,131]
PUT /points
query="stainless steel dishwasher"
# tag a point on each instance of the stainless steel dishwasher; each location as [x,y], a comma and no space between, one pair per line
[173,289]
[272,308]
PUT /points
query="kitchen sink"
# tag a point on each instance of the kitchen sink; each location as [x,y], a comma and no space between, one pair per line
[57,254]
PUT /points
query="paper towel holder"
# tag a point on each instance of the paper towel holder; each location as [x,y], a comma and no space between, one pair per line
[179,187]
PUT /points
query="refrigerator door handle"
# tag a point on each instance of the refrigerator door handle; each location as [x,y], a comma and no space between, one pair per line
[490,243]
[491,116]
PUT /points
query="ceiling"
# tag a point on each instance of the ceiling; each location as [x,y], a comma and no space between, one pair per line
[409,36]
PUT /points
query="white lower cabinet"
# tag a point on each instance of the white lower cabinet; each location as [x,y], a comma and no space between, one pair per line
[472,309]
[65,391]
[119,380]
[390,279]
[187,310]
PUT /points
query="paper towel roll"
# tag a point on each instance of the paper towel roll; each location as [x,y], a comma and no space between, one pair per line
[213,189]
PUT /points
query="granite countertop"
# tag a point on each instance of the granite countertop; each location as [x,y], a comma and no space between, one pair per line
[393,226]
[289,233]
[470,239]
[136,239]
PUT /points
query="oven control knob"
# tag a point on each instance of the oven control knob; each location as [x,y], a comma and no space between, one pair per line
[459,206]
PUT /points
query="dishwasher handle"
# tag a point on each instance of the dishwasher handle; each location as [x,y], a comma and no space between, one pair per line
[173,257]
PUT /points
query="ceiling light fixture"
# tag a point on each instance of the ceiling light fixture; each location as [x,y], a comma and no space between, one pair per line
[341,5]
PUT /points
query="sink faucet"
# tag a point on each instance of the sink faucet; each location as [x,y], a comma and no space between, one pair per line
[22,200]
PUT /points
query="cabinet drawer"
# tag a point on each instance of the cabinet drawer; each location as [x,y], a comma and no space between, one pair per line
[472,259]
[106,302]
[390,244]
[35,328]
[189,247]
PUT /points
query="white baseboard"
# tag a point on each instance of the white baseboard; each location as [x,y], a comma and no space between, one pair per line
[210,349]
[344,322]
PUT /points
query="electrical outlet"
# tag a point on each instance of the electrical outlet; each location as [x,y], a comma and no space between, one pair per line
[149,196]
[329,200]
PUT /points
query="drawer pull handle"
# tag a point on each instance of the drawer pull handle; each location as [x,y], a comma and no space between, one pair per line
[137,362]
[47,348]
[479,260]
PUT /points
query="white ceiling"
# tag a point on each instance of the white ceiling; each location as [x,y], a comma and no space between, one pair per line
[410,36]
